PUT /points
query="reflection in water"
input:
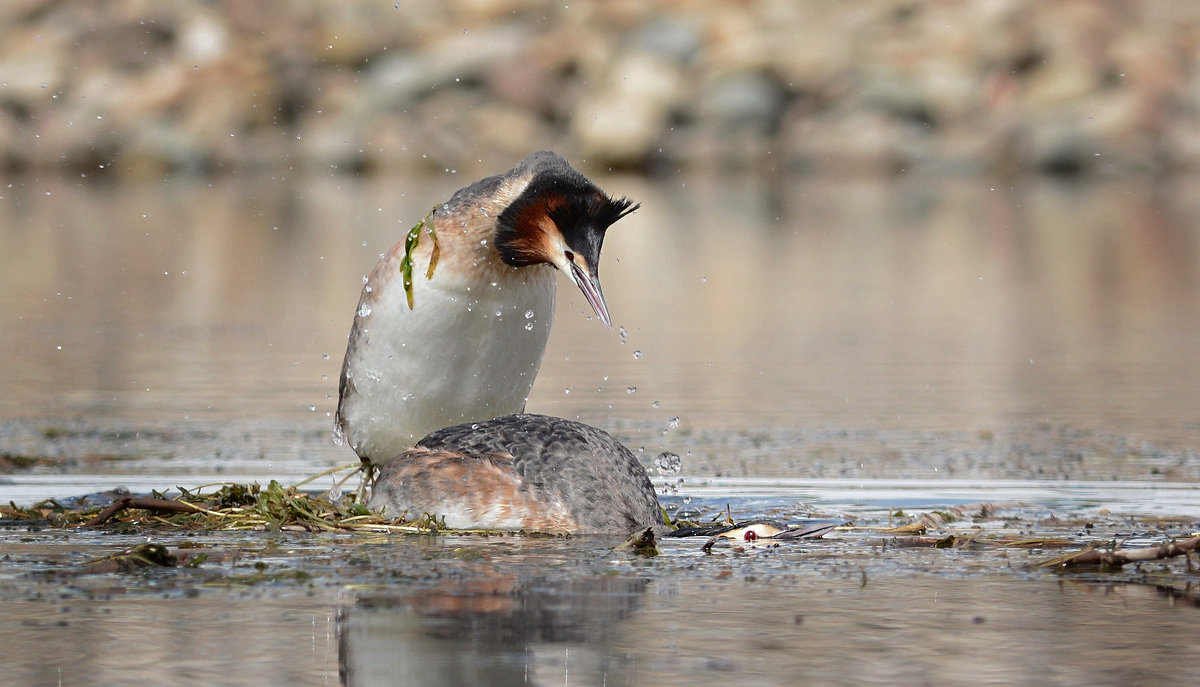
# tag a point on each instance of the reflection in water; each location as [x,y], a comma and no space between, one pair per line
[569,611]
[490,630]
[925,630]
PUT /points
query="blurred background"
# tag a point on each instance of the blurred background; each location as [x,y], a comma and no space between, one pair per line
[143,87]
[877,239]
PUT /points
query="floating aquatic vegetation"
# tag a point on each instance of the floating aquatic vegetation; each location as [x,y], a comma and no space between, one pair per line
[642,544]
[47,512]
[980,527]
[410,245]
[230,507]
[136,558]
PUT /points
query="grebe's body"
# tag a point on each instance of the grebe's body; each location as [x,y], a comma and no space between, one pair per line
[469,345]
[469,349]
[459,350]
[521,472]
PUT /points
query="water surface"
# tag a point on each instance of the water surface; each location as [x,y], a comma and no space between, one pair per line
[809,347]
[513,611]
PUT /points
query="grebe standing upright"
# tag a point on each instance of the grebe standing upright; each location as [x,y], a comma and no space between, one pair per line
[460,344]
[465,343]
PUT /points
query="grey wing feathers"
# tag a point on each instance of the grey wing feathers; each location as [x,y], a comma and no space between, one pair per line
[598,478]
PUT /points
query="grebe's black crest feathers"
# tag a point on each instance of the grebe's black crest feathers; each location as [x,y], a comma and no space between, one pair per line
[557,199]
[593,210]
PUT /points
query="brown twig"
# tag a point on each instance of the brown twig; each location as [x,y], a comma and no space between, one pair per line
[1115,559]
[127,502]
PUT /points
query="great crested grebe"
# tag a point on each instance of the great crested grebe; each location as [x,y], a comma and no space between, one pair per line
[460,344]
[521,472]
[469,343]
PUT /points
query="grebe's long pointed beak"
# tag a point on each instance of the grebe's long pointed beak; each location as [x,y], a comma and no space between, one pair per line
[590,286]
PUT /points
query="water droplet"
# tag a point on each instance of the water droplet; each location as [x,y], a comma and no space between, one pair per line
[324,356]
[631,389]
[364,310]
[528,326]
[567,391]
[673,423]
[623,333]
[528,314]
[637,355]
[656,404]
[667,463]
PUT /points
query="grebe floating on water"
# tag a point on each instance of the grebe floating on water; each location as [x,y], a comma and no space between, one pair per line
[463,345]
[469,343]
[522,472]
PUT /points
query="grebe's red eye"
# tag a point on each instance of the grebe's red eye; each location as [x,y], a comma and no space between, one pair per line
[750,535]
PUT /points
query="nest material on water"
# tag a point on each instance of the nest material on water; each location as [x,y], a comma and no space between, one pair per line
[275,507]
[232,507]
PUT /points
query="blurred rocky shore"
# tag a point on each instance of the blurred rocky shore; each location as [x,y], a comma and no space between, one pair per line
[146,87]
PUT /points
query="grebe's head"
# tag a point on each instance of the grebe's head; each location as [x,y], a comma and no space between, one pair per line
[560,218]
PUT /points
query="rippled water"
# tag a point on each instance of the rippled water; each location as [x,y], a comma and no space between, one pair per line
[511,611]
[806,346]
